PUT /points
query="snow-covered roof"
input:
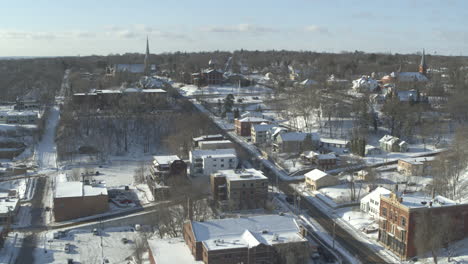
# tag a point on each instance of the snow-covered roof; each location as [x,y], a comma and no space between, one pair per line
[214,142]
[419,200]
[334,141]
[171,250]
[165,160]
[365,82]
[411,77]
[326,156]
[315,174]
[309,154]
[253,119]
[214,153]
[241,175]
[76,189]
[247,231]
[207,137]
[418,161]
[153,91]
[388,139]
[7,204]
[375,194]
[262,127]
[298,136]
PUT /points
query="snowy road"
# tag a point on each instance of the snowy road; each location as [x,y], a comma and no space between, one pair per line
[46,151]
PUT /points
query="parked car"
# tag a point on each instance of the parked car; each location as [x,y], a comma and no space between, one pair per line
[124,240]
[67,248]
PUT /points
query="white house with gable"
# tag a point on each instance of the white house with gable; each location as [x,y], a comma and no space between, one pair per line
[370,203]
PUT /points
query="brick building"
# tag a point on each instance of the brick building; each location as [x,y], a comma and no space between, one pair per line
[407,220]
[75,199]
[257,239]
[207,77]
[244,125]
[239,189]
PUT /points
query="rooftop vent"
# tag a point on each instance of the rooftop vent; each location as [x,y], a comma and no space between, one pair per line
[423,202]
[265,231]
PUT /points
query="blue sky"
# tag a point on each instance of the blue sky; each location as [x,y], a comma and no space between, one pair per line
[58,28]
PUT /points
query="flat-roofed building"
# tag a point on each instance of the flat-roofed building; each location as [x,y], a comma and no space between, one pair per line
[239,189]
[205,162]
[406,221]
[256,239]
[75,199]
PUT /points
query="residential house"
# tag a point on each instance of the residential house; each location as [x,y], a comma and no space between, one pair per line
[255,239]
[75,199]
[370,203]
[244,125]
[296,142]
[334,143]
[258,133]
[274,132]
[325,161]
[371,150]
[239,189]
[415,166]
[408,219]
[365,84]
[209,161]
[390,143]
[316,179]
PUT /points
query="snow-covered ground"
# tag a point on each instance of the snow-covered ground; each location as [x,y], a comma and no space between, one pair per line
[192,90]
[117,174]
[46,150]
[10,250]
[85,247]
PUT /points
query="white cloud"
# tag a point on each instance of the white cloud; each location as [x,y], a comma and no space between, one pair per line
[317,29]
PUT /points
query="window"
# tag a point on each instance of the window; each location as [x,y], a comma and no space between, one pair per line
[251,185]
[243,185]
[403,221]
[384,211]
[222,165]
[221,159]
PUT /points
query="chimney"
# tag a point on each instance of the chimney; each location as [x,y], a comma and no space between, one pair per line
[190,209]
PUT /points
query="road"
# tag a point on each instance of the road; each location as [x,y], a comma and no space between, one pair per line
[361,250]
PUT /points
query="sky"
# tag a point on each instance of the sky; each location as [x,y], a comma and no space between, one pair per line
[87,27]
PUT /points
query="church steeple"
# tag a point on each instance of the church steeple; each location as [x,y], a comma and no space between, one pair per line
[422,65]
[147,55]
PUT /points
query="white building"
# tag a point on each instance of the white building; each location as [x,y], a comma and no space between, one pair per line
[370,203]
[205,162]
[258,133]
[8,207]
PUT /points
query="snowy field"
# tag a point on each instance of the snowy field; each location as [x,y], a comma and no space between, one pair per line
[85,247]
